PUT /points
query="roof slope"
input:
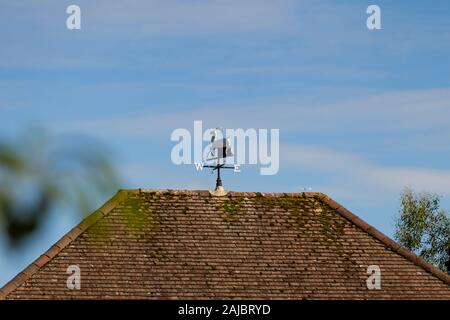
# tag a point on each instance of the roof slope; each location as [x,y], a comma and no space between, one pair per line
[149,244]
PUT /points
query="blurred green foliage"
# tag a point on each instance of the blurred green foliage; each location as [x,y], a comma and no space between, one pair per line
[39,172]
[423,227]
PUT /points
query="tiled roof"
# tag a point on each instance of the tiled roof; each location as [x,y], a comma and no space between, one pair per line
[149,244]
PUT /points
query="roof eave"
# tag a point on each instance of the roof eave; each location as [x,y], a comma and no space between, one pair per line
[55,249]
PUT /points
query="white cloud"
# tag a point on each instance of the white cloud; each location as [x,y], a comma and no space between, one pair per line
[413,112]
[305,29]
[349,171]
[317,70]
[180,17]
[157,176]
[403,116]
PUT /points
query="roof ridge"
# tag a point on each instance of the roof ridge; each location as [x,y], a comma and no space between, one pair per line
[394,246]
[65,240]
[233,193]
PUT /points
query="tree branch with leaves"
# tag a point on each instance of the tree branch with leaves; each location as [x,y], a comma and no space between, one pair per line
[423,227]
[39,171]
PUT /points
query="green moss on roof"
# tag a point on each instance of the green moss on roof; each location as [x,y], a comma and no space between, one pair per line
[231,207]
[139,216]
[332,229]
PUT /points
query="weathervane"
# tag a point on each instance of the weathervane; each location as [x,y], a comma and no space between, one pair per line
[220,150]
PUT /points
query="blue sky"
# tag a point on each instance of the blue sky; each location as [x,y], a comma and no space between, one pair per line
[361,113]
